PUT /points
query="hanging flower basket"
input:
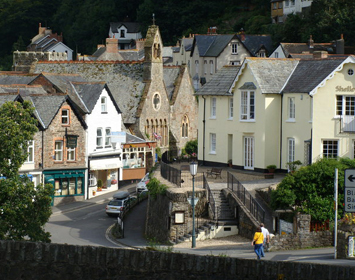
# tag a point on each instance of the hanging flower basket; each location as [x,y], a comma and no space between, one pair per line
[114,182]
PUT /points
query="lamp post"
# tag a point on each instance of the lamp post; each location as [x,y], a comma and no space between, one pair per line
[193,171]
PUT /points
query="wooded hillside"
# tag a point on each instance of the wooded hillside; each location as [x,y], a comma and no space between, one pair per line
[85,23]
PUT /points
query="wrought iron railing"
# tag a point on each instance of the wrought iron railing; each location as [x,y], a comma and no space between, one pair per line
[171,174]
[210,198]
[246,198]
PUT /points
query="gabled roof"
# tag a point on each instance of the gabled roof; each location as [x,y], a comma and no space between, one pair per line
[89,94]
[170,74]
[60,81]
[221,82]
[187,43]
[45,43]
[7,97]
[253,43]
[132,27]
[271,74]
[211,45]
[310,73]
[16,78]
[47,106]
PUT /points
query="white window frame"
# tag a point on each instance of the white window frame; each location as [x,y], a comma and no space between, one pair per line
[213,108]
[230,108]
[99,138]
[291,109]
[211,66]
[247,106]
[290,149]
[108,137]
[213,143]
[71,154]
[205,66]
[345,105]
[248,149]
[58,151]
[92,180]
[276,54]
[103,104]
[65,118]
[327,149]
[30,152]
[234,48]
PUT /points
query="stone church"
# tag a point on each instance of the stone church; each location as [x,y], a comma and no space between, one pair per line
[157,102]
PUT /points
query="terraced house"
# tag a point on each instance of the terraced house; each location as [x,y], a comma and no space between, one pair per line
[277,111]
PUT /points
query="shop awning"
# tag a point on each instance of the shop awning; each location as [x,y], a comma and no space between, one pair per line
[105,164]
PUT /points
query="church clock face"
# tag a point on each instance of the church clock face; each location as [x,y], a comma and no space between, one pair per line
[156,101]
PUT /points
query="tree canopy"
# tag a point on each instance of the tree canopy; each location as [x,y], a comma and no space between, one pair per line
[24,208]
[310,190]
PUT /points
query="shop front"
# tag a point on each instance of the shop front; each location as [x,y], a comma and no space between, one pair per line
[69,185]
[104,174]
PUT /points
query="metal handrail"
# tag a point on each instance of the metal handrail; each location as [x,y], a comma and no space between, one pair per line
[171,174]
[246,198]
[209,196]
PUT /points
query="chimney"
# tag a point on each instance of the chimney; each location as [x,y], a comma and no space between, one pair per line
[340,45]
[320,54]
[140,44]
[242,35]
[111,45]
[310,42]
[41,29]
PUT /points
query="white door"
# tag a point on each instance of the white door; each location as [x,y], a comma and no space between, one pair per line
[248,152]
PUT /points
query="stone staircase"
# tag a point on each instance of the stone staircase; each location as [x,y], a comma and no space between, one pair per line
[223,211]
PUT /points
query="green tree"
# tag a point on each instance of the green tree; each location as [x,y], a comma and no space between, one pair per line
[24,209]
[311,189]
[191,147]
[17,127]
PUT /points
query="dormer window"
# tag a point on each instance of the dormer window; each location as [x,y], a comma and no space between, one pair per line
[103,104]
[122,34]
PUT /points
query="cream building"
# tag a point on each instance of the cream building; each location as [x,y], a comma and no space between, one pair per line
[275,111]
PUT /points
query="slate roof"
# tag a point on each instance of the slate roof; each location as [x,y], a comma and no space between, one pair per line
[6,97]
[132,27]
[220,82]
[211,45]
[170,75]
[271,74]
[16,78]
[23,90]
[291,49]
[62,81]
[45,43]
[310,73]
[133,139]
[47,106]
[188,43]
[253,43]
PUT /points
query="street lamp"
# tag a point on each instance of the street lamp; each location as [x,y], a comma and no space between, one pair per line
[193,171]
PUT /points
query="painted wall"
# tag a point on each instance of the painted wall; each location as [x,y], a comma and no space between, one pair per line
[326,125]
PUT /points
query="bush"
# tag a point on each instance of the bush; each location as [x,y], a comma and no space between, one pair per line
[191,147]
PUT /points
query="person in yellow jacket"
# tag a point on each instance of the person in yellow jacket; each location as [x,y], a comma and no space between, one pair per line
[258,241]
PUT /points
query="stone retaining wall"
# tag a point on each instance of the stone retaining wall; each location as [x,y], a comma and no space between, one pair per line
[37,261]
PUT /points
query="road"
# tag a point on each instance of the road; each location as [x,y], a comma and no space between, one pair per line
[85,223]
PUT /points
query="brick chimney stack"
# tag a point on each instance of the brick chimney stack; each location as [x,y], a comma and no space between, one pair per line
[111,45]
[41,29]
[320,54]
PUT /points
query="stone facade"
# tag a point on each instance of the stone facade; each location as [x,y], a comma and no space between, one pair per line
[37,261]
[153,99]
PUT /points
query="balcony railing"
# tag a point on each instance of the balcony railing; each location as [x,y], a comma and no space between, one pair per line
[348,123]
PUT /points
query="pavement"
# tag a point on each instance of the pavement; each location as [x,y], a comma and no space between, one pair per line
[236,246]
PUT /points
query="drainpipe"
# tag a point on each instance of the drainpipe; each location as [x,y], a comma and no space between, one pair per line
[42,179]
[281,130]
[204,130]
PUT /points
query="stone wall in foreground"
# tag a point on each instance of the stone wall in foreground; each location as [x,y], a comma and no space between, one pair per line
[37,261]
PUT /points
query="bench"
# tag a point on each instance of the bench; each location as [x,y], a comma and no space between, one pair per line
[215,172]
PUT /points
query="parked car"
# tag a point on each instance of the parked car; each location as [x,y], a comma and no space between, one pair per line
[117,205]
[142,184]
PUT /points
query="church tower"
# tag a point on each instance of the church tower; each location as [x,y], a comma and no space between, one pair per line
[153,48]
